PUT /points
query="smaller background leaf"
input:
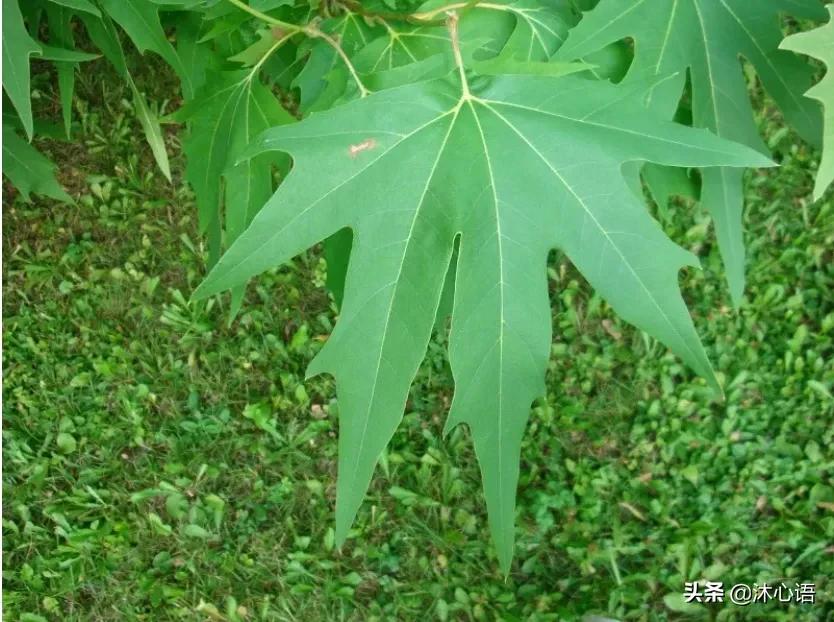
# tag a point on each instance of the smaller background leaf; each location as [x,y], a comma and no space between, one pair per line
[29,170]
[153,131]
[819,43]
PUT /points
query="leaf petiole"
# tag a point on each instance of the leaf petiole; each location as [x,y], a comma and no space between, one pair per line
[266,18]
[452,25]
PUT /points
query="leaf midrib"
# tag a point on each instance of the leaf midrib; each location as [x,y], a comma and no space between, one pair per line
[501,283]
[585,121]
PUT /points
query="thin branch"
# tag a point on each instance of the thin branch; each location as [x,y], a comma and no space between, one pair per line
[386,16]
[428,16]
[266,18]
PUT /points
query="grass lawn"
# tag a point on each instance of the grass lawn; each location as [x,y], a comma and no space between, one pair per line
[161,464]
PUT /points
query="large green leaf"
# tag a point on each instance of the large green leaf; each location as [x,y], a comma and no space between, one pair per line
[707,38]
[28,170]
[819,43]
[18,46]
[518,167]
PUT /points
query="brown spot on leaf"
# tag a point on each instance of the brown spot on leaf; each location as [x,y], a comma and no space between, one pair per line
[365,145]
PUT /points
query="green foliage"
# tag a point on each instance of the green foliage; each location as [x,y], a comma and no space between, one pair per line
[201,484]
[228,112]
[140,20]
[28,170]
[18,46]
[441,152]
[707,38]
[819,43]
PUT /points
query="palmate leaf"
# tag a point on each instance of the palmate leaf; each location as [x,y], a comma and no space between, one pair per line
[517,167]
[819,43]
[406,53]
[707,38]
